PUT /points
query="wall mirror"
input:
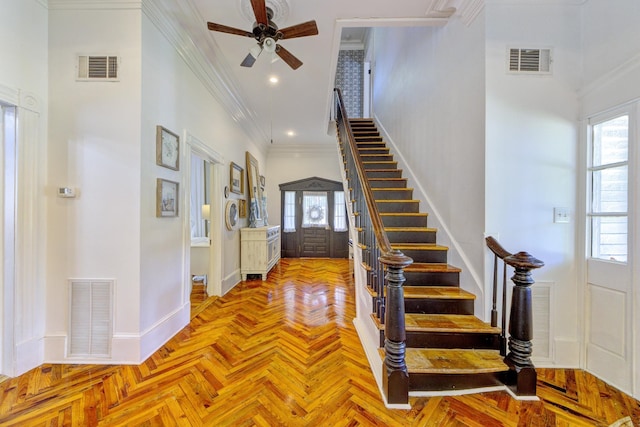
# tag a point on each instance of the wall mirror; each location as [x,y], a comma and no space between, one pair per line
[255,192]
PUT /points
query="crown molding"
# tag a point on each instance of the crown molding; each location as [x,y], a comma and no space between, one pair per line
[213,73]
[629,67]
[93,4]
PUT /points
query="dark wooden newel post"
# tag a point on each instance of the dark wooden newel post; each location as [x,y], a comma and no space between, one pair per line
[395,375]
[522,375]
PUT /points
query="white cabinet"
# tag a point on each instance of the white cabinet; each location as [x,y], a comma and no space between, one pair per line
[259,250]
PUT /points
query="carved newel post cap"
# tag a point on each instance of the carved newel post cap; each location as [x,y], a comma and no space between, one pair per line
[396,258]
[522,260]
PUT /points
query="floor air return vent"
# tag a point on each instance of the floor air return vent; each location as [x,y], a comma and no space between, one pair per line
[91,317]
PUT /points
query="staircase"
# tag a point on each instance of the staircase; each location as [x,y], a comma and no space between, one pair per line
[447,347]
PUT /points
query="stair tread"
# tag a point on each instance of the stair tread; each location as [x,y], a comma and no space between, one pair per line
[391,189]
[426,267]
[463,323]
[403,214]
[452,361]
[426,246]
[432,292]
[412,229]
[452,323]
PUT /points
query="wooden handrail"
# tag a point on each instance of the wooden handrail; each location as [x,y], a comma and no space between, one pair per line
[376,220]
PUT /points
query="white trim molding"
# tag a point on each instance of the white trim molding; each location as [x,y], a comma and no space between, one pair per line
[466,10]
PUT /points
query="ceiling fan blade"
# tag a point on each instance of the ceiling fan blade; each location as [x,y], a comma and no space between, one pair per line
[229,30]
[288,57]
[308,28]
[260,11]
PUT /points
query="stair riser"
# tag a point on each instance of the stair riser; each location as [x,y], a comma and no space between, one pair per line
[411,236]
[400,194]
[377,158]
[453,340]
[370,139]
[432,279]
[361,133]
[440,306]
[433,256]
[452,382]
[379,150]
[374,183]
[384,174]
[398,207]
[370,144]
[404,221]
[432,306]
[380,165]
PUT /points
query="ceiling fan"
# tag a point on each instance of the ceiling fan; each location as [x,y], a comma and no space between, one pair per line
[268,34]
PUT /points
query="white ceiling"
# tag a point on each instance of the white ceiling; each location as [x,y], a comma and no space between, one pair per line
[300,101]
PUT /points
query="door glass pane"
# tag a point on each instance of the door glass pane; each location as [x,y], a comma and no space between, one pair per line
[611,141]
[314,208]
[609,238]
[340,212]
[289,214]
[609,193]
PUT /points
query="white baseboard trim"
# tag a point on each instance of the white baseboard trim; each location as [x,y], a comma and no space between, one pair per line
[126,348]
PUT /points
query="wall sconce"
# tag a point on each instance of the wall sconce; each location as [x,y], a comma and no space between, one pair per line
[206,215]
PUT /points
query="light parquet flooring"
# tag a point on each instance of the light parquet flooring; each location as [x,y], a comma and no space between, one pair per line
[282,352]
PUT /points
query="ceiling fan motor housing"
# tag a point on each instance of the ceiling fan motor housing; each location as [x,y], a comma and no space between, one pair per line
[261,31]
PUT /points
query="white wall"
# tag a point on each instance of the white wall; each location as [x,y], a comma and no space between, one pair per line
[428,95]
[23,83]
[294,162]
[94,146]
[531,147]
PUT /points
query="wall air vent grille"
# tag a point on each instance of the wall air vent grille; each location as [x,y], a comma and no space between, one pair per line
[91,317]
[536,61]
[98,68]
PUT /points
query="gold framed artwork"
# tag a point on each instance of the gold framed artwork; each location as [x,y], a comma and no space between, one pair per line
[242,208]
[167,148]
[253,179]
[236,179]
[166,198]
[231,214]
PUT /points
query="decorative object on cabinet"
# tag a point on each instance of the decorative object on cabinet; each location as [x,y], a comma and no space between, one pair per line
[262,182]
[166,198]
[252,214]
[259,250]
[167,148]
[236,179]
[242,208]
[231,214]
[255,192]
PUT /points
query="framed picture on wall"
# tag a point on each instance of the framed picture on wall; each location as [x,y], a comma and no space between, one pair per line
[166,198]
[242,208]
[167,148]
[236,179]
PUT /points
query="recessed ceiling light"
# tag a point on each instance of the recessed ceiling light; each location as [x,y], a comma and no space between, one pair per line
[291,133]
[273,79]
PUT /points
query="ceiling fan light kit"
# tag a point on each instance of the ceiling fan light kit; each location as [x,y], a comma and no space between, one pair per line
[267,34]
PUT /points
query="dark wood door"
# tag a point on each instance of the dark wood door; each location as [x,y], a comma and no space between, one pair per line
[312,240]
[315,243]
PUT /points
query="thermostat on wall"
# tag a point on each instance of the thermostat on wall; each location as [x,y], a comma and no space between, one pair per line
[66,192]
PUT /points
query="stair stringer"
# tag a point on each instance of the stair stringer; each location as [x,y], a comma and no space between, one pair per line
[470,280]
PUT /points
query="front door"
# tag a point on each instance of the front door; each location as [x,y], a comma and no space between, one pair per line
[609,287]
[314,219]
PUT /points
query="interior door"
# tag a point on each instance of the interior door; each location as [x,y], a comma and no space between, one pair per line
[609,289]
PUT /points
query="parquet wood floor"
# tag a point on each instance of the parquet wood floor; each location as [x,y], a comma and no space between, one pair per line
[282,352]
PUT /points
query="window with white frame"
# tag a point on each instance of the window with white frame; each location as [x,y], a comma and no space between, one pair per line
[609,184]
[289,213]
[314,209]
[339,212]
